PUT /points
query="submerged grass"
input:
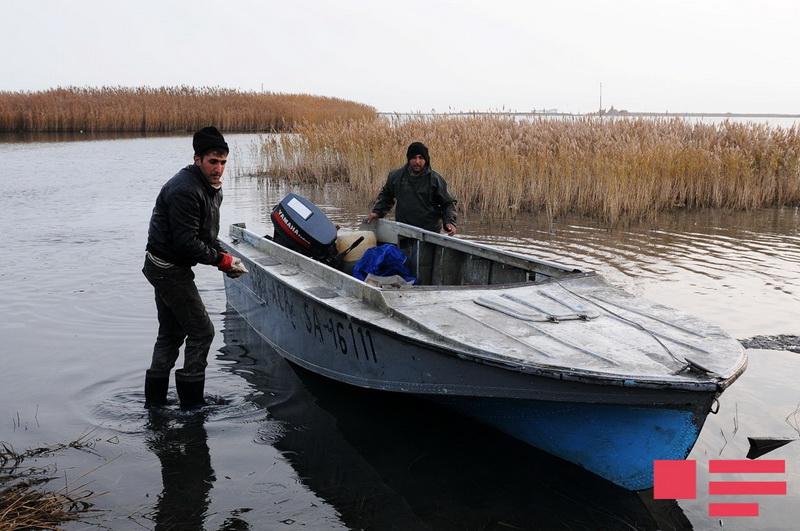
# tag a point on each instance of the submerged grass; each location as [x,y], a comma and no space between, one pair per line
[616,170]
[25,504]
[167,109]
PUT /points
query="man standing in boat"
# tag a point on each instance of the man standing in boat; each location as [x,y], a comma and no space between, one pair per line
[422,196]
[183,233]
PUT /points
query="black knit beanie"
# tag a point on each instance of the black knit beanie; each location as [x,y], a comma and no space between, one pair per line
[418,148]
[208,138]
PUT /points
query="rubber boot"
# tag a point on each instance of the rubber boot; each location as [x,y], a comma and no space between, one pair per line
[155,389]
[190,389]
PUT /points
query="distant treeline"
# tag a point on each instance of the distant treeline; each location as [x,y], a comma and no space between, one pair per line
[167,109]
[613,169]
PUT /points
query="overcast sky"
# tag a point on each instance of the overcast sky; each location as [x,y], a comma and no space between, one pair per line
[418,55]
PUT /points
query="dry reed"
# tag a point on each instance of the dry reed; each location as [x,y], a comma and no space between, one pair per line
[167,109]
[25,505]
[616,170]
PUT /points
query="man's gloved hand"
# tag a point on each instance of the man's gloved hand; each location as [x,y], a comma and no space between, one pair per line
[237,269]
[233,267]
[226,262]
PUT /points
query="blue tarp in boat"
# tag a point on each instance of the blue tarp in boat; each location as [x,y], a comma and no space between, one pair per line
[384,261]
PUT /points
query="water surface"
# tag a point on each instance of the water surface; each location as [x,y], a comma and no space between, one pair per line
[287,450]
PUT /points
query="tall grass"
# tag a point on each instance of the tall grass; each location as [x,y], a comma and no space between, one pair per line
[616,170]
[167,109]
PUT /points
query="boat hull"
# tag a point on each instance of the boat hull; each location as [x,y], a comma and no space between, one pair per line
[614,432]
[549,354]
[616,441]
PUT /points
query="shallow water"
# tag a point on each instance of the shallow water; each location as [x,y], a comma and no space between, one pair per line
[284,449]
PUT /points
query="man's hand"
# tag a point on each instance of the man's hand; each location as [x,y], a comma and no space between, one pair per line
[370,217]
[450,228]
[231,266]
[226,263]
[233,274]
[237,269]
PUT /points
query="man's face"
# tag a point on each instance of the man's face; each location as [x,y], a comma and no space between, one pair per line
[212,166]
[417,164]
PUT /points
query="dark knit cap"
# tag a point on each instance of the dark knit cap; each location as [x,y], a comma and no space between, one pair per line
[418,148]
[208,138]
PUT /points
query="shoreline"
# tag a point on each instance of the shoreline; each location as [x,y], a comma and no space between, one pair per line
[617,114]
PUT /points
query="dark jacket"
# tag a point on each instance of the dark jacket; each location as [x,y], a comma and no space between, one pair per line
[423,201]
[185,221]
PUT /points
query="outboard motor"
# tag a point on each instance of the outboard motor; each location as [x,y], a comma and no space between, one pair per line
[301,226]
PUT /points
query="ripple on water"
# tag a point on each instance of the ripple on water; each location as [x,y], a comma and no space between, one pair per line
[124,413]
[270,488]
[269,433]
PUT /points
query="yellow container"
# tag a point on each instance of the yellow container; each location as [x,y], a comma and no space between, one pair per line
[346,239]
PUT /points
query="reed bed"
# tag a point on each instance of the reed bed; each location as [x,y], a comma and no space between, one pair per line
[167,109]
[24,504]
[617,170]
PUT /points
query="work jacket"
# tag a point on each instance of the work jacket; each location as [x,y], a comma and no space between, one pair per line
[422,200]
[185,222]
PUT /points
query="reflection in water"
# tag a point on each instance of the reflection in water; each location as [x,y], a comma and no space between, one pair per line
[391,462]
[181,444]
[17,137]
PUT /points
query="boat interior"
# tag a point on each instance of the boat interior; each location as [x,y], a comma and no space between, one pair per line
[438,260]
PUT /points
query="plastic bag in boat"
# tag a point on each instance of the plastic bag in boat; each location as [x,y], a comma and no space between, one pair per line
[384,261]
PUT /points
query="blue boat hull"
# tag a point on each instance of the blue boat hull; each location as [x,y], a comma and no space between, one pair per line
[614,423]
[617,442]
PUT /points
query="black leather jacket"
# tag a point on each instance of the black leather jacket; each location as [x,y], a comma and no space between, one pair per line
[185,221]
